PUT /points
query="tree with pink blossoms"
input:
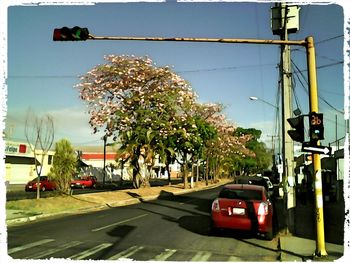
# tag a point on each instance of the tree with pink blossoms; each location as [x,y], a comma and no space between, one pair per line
[141,104]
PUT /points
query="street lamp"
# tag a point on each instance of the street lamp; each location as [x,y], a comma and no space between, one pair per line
[278,132]
[256,98]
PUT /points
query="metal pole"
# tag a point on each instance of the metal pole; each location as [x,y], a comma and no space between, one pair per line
[104,159]
[217,40]
[311,64]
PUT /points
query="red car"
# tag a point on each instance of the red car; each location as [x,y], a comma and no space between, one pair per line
[45,184]
[243,207]
[84,182]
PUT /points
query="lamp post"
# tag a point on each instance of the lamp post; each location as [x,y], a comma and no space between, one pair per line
[268,103]
[277,110]
[104,138]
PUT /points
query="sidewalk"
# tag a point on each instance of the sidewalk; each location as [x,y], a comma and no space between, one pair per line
[300,244]
[301,249]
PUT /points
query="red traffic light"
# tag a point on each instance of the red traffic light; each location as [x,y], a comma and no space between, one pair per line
[70,34]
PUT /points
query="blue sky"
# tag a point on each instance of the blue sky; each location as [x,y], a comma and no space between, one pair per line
[42,73]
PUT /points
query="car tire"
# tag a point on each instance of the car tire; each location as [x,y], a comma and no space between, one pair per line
[269,235]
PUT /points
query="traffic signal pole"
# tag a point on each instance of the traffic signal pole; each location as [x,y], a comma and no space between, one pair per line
[316,159]
[308,43]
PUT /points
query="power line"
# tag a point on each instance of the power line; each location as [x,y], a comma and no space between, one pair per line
[44,77]
[321,98]
[224,68]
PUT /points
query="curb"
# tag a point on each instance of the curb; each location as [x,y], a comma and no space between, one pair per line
[126,202]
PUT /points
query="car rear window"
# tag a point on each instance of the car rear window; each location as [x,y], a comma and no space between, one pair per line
[254,182]
[240,194]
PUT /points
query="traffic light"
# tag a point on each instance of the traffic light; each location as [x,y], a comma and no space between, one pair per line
[70,34]
[297,124]
[316,126]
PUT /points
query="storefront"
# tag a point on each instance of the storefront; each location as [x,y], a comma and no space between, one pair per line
[20,162]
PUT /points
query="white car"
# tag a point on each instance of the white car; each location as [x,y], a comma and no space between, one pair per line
[269,184]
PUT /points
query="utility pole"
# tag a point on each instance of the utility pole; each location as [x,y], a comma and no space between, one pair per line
[284,20]
[288,155]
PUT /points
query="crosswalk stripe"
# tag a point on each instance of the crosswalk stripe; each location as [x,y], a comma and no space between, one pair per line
[164,255]
[30,245]
[201,256]
[54,250]
[126,253]
[90,251]
[233,258]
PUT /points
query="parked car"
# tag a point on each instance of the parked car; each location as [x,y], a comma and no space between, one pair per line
[243,207]
[269,185]
[254,180]
[45,184]
[84,182]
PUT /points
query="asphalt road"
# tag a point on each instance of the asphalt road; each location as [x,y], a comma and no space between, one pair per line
[171,228]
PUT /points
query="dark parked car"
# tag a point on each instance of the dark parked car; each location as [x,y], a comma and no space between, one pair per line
[243,207]
[84,182]
[255,180]
[45,184]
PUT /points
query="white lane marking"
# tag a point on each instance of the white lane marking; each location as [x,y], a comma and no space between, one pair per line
[118,223]
[30,245]
[164,255]
[90,251]
[126,253]
[54,250]
[201,256]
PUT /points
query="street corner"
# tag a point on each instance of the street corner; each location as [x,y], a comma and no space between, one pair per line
[301,249]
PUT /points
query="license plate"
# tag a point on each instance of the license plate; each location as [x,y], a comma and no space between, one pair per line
[238,211]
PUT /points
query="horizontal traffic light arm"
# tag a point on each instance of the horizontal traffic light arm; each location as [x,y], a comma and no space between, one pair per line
[186,39]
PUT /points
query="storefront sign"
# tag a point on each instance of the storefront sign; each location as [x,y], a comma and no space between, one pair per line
[16,149]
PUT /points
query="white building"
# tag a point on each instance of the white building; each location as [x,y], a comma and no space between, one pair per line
[20,162]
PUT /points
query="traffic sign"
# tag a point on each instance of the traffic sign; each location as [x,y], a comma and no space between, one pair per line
[316,149]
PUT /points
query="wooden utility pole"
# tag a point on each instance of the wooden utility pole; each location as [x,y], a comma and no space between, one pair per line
[288,145]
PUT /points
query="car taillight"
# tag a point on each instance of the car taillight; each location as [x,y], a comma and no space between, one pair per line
[215,206]
[262,212]
[263,209]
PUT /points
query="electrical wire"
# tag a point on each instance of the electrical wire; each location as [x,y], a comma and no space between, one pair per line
[319,96]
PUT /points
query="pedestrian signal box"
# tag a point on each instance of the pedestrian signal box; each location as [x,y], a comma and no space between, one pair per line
[316,126]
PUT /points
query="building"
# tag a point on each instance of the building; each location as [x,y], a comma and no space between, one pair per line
[21,162]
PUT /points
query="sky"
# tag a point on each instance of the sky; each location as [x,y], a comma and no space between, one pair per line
[40,74]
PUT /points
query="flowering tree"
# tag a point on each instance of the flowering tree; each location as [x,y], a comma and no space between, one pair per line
[131,98]
[154,112]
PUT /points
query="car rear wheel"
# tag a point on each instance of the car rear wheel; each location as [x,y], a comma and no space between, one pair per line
[268,235]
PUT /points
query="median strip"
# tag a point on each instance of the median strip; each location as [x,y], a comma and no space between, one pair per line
[118,223]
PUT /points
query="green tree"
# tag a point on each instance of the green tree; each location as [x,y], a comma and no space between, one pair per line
[64,165]
[262,158]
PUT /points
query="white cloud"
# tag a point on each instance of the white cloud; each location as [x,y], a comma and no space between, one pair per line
[70,123]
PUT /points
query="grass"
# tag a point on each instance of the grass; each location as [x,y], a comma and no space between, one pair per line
[48,205]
